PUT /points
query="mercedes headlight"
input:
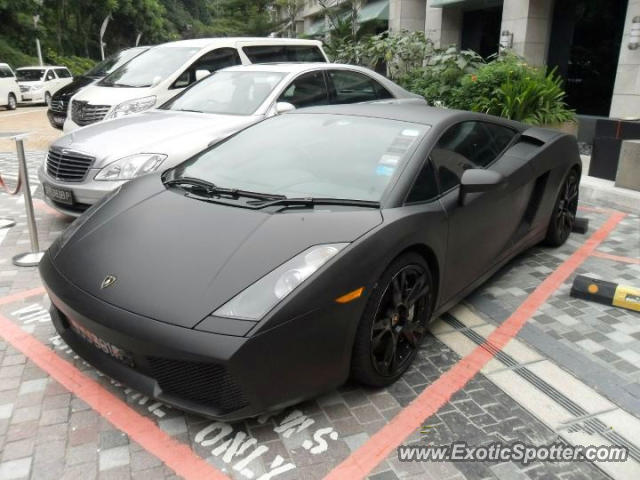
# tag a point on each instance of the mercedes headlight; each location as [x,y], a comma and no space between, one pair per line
[132,106]
[131,167]
[258,299]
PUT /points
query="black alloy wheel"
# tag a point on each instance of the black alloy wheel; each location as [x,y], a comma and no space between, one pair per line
[394,322]
[564,215]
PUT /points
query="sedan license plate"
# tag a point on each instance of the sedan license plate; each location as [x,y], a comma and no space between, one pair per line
[61,195]
[102,345]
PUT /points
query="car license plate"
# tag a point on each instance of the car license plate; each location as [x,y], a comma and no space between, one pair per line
[101,344]
[58,120]
[61,195]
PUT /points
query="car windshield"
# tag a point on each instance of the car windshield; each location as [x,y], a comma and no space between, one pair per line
[235,93]
[113,62]
[31,75]
[310,155]
[150,67]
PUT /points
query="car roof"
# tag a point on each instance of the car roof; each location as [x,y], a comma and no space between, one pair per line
[405,112]
[207,42]
[293,67]
[41,68]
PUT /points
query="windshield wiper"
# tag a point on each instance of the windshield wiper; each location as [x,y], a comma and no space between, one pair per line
[311,201]
[209,189]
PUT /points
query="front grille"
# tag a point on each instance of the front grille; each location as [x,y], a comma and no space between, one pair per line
[68,166]
[207,384]
[59,105]
[24,88]
[83,113]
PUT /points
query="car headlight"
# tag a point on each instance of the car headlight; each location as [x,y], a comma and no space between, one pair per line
[132,106]
[256,300]
[131,167]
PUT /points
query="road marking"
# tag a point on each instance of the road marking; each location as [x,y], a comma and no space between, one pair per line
[379,446]
[559,400]
[44,109]
[175,455]
[616,258]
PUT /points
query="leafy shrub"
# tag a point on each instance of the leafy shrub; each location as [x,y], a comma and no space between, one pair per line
[508,87]
[14,57]
[77,65]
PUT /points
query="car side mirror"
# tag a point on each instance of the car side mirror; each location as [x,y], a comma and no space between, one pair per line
[200,74]
[284,107]
[476,180]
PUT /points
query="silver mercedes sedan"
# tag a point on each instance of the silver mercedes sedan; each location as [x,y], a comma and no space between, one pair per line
[84,165]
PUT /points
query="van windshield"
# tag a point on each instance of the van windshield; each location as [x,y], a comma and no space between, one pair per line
[31,75]
[152,66]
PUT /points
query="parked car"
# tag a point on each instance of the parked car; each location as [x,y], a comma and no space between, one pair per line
[83,166]
[9,89]
[305,249]
[57,112]
[39,84]
[161,72]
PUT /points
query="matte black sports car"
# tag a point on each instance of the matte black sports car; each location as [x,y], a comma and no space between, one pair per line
[310,247]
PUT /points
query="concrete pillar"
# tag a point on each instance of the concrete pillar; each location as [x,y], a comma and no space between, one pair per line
[530,22]
[406,15]
[626,93]
[443,25]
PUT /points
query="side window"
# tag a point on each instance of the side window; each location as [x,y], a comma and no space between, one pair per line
[425,187]
[283,53]
[63,73]
[5,72]
[211,61]
[305,91]
[50,75]
[352,87]
[468,145]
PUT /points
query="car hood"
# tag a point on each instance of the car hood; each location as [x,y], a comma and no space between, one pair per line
[177,259]
[97,95]
[176,134]
[72,88]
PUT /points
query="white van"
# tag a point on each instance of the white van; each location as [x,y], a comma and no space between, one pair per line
[163,71]
[9,89]
[38,84]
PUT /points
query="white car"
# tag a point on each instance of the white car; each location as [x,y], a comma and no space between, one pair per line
[9,89]
[83,166]
[38,84]
[163,71]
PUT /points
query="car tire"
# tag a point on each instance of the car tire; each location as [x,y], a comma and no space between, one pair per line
[393,321]
[12,103]
[564,210]
[47,99]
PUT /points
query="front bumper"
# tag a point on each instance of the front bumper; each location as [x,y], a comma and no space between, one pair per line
[85,193]
[219,376]
[56,119]
[32,97]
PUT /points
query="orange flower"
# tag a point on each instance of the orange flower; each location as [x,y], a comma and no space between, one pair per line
[474,78]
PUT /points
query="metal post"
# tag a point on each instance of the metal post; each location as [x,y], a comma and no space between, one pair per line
[30,259]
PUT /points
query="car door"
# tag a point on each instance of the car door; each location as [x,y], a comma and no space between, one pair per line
[480,230]
[5,84]
[307,90]
[347,86]
[50,81]
[210,61]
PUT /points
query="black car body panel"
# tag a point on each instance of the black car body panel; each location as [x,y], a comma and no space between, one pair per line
[177,259]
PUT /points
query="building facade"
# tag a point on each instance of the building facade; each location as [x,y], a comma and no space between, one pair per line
[593,44]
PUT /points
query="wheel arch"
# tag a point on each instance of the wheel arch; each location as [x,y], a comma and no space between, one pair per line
[432,262]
